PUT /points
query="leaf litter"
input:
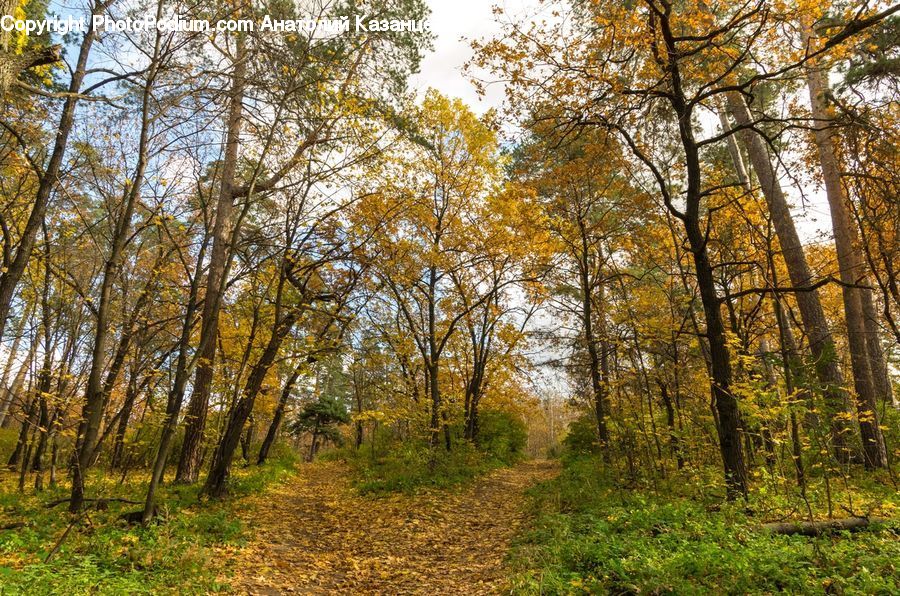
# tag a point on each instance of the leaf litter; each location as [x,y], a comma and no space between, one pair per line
[314,534]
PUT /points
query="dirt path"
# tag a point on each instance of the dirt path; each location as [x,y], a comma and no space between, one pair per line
[315,536]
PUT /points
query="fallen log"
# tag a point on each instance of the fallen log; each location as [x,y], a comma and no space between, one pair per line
[101,503]
[816,528]
[13,526]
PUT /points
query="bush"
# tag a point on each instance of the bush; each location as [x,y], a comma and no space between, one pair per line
[409,466]
[107,556]
[582,436]
[501,435]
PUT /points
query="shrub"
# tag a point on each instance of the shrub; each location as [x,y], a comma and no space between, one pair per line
[411,465]
[501,435]
[104,555]
[582,436]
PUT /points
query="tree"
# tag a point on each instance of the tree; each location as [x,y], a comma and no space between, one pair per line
[48,175]
[18,54]
[588,206]
[865,352]
[647,71]
[95,397]
[321,418]
[443,178]
[821,343]
[314,99]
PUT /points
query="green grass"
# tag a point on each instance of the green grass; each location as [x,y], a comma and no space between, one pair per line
[104,555]
[592,536]
[409,467]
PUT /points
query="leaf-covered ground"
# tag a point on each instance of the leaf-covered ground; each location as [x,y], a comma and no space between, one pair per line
[316,534]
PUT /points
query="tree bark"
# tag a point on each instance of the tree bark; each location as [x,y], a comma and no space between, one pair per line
[131,394]
[175,397]
[43,422]
[817,528]
[674,440]
[17,384]
[195,422]
[220,469]
[725,403]
[877,362]
[821,342]
[598,383]
[852,269]
[16,457]
[272,433]
[6,394]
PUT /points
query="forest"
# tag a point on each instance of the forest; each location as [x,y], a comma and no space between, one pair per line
[276,318]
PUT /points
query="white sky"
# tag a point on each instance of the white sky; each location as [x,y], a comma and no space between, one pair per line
[456,23]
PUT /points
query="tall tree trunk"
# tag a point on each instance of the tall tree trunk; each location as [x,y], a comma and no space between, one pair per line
[598,384]
[470,432]
[6,395]
[175,397]
[272,433]
[787,350]
[852,269]
[725,403]
[735,152]
[821,342]
[220,469]
[432,361]
[358,402]
[877,362]
[189,463]
[95,399]
[118,361]
[9,278]
[448,444]
[674,440]
[434,393]
[17,384]
[475,387]
[30,419]
[247,437]
[313,447]
[124,418]
[43,419]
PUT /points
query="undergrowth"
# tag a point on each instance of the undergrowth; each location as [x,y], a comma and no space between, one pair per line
[594,534]
[409,467]
[390,465]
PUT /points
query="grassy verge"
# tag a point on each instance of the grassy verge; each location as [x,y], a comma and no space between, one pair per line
[390,464]
[591,535]
[102,554]
[408,467]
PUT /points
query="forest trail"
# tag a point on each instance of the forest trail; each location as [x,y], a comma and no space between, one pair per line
[316,535]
